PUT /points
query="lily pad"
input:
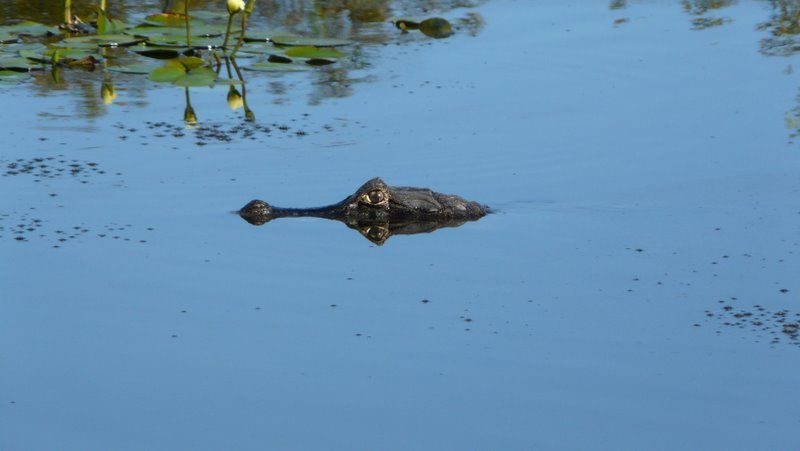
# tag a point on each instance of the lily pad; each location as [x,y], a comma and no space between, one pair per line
[436,27]
[107,25]
[6,38]
[29,28]
[169,72]
[201,76]
[180,41]
[276,67]
[167,20]
[313,52]
[191,62]
[134,68]
[14,49]
[16,63]
[291,40]
[54,55]
[107,40]
[12,77]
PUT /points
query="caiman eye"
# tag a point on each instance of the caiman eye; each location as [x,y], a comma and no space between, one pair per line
[374,197]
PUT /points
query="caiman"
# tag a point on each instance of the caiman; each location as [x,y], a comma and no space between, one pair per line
[379,211]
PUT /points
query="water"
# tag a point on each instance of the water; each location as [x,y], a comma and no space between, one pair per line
[644,173]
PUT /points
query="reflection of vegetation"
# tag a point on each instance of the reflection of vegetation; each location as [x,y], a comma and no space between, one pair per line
[784,28]
[362,22]
[701,23]
[618,4]
[693,7]
[700,7]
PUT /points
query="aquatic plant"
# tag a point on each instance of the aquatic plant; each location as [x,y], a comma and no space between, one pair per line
[234,6]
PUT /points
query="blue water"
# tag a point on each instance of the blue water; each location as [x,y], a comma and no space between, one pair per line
[641,174]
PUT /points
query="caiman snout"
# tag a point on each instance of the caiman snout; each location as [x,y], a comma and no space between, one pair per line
[256,212]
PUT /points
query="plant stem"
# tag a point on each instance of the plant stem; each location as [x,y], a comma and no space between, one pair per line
[188,29]
[103,5]
[67,12]
[227,31]
[241,35]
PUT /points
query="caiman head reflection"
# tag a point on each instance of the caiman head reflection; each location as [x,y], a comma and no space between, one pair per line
[379,211]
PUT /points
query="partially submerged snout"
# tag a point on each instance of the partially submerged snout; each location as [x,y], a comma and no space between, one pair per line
[256,212]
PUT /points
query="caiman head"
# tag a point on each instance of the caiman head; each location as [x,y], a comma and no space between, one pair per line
[371,200]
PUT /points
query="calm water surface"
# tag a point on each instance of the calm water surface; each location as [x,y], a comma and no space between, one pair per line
[633,290]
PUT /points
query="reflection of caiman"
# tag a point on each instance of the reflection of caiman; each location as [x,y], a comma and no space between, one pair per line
[379,211]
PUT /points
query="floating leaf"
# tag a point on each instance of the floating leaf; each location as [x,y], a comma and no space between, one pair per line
[6,38]
[313,52]
[166,20]
[10,77]
[201,76]
[180,41]
[28,29]
[276,67]
[86,45]
[16,63]
[169,72]
[436,28]
[107,40]
[14,49]
[107,25]
[191,62]
[134,68]
[290,40]
[55,55]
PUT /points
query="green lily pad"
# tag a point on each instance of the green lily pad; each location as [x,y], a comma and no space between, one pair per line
[169,72]
[107,25]
[291,40]
[436,27]
[167,20]
[12,77]
[6,38]
[55,55]
[14,49]
[201,76]
[306,51]
[29,28]
[134,68]
[180,41]
[107,40]
[16,63]
[86,45]
[191,62]
[276,67]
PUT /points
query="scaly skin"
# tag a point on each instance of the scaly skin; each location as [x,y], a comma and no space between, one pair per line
[379,211]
